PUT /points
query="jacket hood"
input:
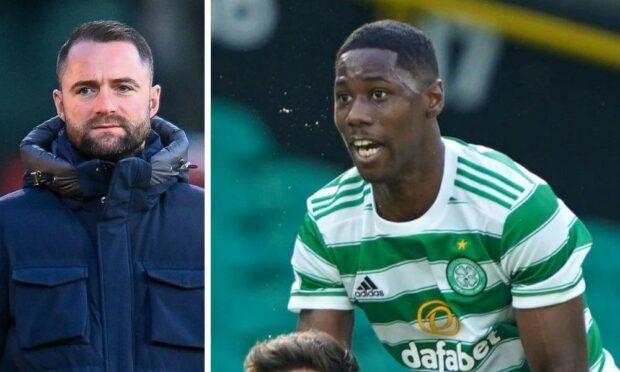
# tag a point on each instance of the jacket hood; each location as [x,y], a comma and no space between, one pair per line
[50,161]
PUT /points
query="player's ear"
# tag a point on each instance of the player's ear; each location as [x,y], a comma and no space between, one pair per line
[434,93]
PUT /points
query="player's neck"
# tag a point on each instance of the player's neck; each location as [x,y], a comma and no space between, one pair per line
[412,196]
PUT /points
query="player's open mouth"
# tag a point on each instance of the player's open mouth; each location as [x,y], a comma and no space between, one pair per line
[365,148]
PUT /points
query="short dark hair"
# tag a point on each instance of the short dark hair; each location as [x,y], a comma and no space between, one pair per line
[308,349]
[103,32]
[414,49]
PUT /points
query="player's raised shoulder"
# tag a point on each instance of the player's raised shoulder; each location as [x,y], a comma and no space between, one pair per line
[492,174]
[346,190]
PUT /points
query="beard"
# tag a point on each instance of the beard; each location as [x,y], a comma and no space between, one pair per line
[108,146]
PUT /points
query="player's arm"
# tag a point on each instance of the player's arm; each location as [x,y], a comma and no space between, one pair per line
[318,293]
[337,323]
[544,245]
[553,337]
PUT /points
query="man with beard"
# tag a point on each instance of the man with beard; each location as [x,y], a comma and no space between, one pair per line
[460,258]
[102,251]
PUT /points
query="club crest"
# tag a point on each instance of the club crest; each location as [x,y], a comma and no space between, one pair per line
[466,277]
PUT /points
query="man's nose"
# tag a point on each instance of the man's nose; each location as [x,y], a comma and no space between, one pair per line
[105,102]
[360,112]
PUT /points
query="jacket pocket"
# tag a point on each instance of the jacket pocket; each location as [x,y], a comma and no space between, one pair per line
[177,306]
[50,305]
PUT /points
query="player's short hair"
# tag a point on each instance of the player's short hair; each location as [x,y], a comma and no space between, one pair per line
[415,52]
[309,349]
[103,32]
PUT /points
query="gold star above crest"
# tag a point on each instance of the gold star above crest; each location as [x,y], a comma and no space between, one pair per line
[461,244]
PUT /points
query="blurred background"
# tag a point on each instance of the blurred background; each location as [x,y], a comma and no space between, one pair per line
[537,80]
[31,32]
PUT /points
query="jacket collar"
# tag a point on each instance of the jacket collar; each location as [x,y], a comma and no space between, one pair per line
[134,182]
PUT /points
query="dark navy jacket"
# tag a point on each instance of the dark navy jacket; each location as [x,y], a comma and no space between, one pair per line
[101,264]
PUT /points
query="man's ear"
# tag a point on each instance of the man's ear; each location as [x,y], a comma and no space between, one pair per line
[435,96]
[154,94]
[60,107]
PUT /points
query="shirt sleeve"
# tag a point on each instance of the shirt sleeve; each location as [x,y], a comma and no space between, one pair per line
[317,283]
[544,245]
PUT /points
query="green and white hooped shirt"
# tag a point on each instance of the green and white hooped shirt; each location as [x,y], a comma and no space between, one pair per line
[440,290]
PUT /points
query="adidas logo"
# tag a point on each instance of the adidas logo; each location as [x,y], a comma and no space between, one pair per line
[368,289]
